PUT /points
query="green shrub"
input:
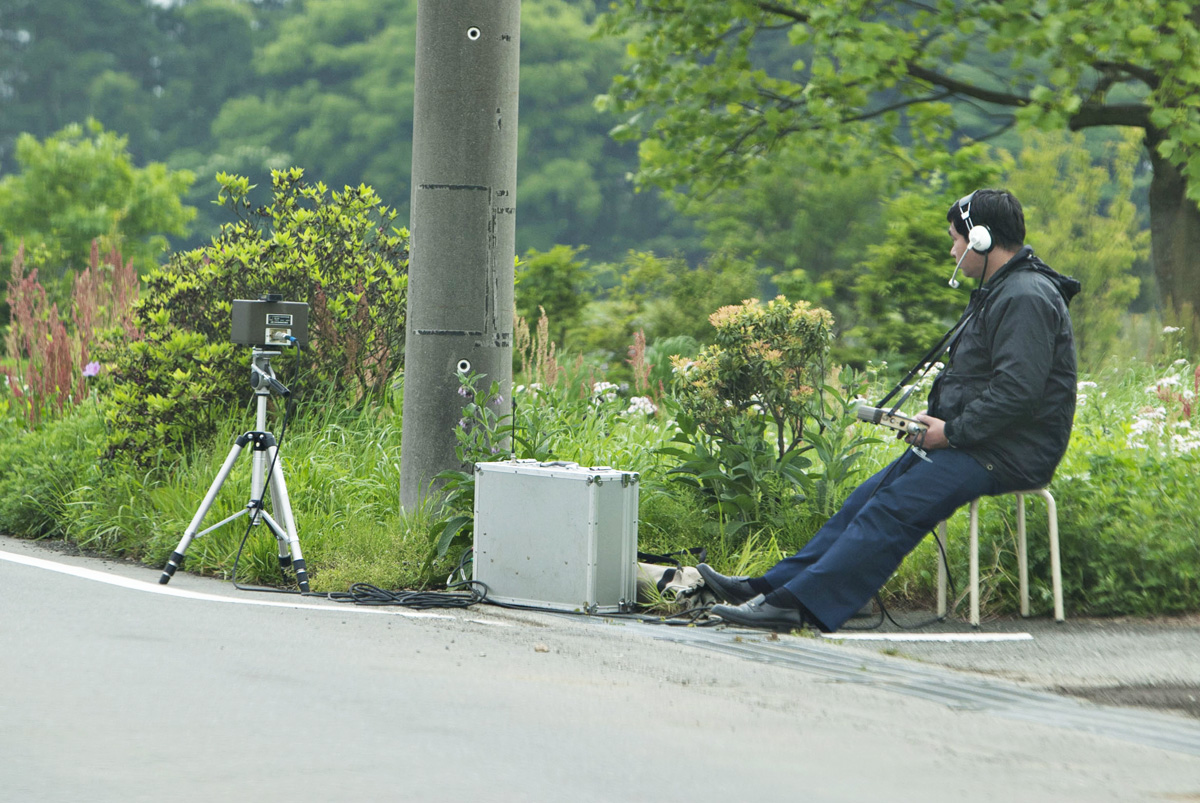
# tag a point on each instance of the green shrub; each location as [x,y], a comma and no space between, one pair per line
[744,403]
[1131,545]
[765,368]
[341,253]
[660,297]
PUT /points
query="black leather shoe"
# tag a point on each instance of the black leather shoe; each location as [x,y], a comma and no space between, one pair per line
[735,590]
[760,613]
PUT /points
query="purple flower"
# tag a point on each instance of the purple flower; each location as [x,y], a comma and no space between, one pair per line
[91,369]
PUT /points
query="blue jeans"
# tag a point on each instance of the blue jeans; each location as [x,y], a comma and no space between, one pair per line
[858,549]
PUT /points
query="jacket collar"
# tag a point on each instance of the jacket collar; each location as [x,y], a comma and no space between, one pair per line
[1025,259]
[1024,254]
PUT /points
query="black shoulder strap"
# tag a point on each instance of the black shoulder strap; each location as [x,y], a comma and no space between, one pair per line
[701,553]
[932,356]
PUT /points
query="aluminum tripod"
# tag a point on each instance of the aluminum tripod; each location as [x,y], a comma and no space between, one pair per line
[265,458]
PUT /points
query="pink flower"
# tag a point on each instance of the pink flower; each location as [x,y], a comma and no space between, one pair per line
[91,369]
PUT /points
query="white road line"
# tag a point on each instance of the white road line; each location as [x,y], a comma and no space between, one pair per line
[155,588]
[928,636]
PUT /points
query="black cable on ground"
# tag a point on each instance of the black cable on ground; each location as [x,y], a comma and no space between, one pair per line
[884,612]
[367,594]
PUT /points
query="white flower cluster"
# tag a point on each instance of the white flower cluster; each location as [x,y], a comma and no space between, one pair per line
[604,392]
[1081,397]
[642,404]
[1180,385]
[1165,382]
[531,388]
[1161,424]
[1151,426]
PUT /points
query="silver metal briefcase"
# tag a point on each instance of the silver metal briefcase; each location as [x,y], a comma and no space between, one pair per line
[556,535]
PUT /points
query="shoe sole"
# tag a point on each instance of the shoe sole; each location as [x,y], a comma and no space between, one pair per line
[779,625]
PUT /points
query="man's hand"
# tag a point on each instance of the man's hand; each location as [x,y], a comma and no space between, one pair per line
[935,436]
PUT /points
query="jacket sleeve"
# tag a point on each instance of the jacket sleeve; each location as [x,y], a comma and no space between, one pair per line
[1022,328]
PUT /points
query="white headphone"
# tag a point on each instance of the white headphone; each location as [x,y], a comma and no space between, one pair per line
[979,238]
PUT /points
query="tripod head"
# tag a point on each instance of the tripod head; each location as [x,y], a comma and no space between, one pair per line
[262,375]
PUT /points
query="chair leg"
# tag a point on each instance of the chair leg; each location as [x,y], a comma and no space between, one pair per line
[974,555]
[1022,555]
[1055,556]
[941,568]
[1022,558]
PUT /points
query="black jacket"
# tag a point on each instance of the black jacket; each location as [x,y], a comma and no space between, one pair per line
[1008,393]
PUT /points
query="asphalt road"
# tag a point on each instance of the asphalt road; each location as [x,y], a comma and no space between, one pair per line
[113,688]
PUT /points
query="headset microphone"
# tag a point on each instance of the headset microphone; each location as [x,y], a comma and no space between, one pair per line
[953,281]
[979,238]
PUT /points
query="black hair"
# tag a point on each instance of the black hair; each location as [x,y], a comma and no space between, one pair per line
[999,210]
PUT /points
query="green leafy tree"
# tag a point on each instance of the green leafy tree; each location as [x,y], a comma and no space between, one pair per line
[62,61]
[709,95]
[766,366]
[902,302]
[336,92]
[250,86]
[555,282]
[789,215]
[664,297]
[156,72]
[1083,224]
[809,228]
[81,184]
[573,184]
[209,61]
[340,252]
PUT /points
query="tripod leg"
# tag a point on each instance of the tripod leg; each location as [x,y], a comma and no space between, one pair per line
[283,506]
[176,559]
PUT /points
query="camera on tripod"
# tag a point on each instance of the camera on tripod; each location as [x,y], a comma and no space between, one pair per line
[266,323]
[269,322]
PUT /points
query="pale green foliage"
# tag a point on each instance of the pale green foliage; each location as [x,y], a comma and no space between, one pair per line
[664,297]
[902,301]
[712,92]
[792,215]
[80,184]
[1083,224]
[719,100]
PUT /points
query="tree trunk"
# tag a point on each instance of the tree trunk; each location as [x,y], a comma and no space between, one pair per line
[1175,239]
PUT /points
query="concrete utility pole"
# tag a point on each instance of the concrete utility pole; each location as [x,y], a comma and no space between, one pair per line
[463,224]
